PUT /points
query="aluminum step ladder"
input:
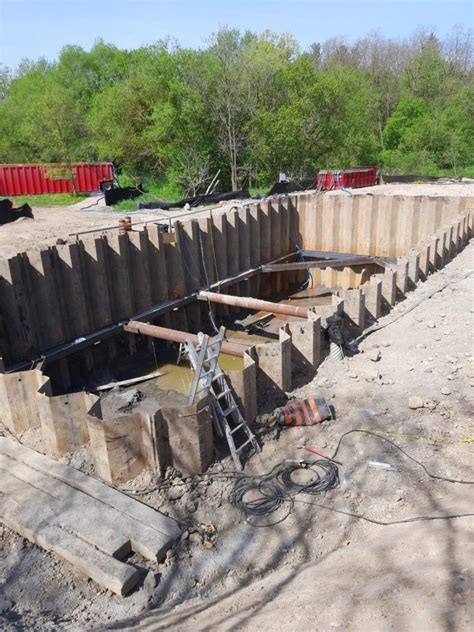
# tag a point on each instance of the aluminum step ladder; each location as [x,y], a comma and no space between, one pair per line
[204,362]
[209,378]
[229,418]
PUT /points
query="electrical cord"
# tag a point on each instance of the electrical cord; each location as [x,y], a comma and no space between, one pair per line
[320,484]
[378,436]
[269,492]
[267,497]
[259,497]
[383,523]
[309,277]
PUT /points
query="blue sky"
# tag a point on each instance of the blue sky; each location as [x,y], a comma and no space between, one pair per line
[34,28]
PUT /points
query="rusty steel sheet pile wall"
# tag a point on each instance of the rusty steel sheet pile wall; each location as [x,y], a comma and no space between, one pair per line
[85,285]
[375,225]
[53,296]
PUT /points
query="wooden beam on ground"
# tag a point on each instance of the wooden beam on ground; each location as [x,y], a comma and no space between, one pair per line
[85,522]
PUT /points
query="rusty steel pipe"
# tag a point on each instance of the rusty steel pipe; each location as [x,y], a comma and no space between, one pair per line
[174,335]
[254,304]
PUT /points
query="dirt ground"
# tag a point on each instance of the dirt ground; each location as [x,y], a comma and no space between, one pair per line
[326,565]
[50,224]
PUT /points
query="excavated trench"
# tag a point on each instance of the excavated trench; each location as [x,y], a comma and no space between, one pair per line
[63,312]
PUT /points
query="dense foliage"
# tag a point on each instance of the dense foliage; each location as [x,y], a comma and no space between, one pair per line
[249,105]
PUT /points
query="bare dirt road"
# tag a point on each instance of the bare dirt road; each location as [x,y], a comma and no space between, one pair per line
[50,224]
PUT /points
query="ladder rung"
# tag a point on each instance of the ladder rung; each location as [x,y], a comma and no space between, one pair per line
[200,390]
[212,357]
[244,444]
[217,343]
[236,428]
[229,410]
[225,392]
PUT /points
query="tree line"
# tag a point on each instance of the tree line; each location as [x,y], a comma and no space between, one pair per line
[251,105]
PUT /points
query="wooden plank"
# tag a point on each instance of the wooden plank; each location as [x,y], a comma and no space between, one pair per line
[85,522]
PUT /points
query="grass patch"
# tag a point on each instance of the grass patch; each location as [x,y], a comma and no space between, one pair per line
[155,190]
[460,172]
[50,199]
[259,190]
[159,190]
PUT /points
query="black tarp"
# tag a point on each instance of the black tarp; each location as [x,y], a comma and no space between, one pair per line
[10,214]
[199,200]
[292,186]
[112,196]
[409,179]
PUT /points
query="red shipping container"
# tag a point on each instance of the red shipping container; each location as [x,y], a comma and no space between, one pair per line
[37,179]
[353,178]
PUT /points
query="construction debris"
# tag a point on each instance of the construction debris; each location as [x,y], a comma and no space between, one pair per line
[301,413]
[10,214]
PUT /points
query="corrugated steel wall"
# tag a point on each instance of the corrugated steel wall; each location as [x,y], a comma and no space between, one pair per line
[53,178]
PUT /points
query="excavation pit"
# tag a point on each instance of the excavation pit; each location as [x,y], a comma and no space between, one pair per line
[66,311]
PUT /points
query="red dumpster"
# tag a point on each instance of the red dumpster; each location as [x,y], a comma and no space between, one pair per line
[353,178]
[37,179]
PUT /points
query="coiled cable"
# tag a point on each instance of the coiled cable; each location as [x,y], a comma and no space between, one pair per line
[321,482]
[259,497]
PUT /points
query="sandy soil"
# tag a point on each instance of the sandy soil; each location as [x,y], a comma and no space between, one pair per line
[322,567]
[66,222]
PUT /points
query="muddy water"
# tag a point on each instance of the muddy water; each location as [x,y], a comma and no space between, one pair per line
[179,377]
